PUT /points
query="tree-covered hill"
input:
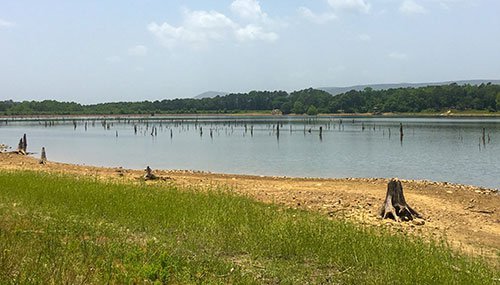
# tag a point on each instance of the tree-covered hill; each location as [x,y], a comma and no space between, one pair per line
[483,97]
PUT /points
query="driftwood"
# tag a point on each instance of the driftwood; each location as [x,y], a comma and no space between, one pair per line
[395,205]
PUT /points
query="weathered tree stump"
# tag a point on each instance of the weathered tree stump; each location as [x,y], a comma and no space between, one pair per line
[43,157]
[149,174]
[395,205]
[22,146]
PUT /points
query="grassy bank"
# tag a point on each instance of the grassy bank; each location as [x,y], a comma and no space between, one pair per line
[56,229]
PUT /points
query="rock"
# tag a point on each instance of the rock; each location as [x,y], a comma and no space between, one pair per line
[418,222]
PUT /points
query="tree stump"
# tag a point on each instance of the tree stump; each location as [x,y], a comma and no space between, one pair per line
[395,205]
[149,174]
[25,144]
[43,157]
[22,146]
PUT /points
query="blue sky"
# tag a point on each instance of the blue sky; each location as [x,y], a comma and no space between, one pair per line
[100,51]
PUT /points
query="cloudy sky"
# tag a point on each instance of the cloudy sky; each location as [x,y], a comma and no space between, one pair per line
[131,50]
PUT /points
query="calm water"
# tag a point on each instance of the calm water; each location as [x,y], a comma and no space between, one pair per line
[437,149]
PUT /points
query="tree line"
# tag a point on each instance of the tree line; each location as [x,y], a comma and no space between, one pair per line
[484,97]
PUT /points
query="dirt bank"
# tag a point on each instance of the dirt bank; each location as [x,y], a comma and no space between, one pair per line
[466,217]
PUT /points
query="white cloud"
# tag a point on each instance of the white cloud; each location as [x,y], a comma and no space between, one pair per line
[202,27]
[138,50]
[316,18]
[358,6]
[253,32]
[6,24]
[449,4]
[248,9]
[398,55]
[199,28]
[411,7]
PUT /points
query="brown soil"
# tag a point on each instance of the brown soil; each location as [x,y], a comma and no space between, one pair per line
[466,217]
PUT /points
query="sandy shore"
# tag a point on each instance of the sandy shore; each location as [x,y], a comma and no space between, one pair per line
[467,217]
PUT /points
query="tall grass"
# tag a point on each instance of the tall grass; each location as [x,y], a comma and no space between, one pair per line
[56,229]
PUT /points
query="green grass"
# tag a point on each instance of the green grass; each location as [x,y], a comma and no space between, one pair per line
[56,229]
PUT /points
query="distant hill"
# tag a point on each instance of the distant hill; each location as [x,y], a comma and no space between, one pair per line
[210,94]
[340,90]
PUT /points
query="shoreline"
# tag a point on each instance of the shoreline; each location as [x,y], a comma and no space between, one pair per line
[451,115]
[466,217]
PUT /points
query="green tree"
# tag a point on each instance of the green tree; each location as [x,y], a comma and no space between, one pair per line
[286,108]
[312,110]
[498,101]
[298,108]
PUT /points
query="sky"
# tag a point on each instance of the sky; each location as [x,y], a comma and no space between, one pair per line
[133,50]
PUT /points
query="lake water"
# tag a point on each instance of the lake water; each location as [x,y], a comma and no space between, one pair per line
[439,149]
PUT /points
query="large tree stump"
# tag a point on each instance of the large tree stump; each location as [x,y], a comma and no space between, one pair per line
[395,205]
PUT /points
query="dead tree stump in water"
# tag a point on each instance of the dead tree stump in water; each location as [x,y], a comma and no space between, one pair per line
[395,205]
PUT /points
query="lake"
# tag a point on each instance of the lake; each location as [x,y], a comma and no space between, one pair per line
[438,149]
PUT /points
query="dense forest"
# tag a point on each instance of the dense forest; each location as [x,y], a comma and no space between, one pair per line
[484,97]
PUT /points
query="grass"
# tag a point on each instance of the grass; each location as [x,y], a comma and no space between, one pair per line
[57,229]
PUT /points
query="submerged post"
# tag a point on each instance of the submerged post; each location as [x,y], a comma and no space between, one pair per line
[401,132]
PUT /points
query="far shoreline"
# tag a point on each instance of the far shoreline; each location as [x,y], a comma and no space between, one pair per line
[449,115]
